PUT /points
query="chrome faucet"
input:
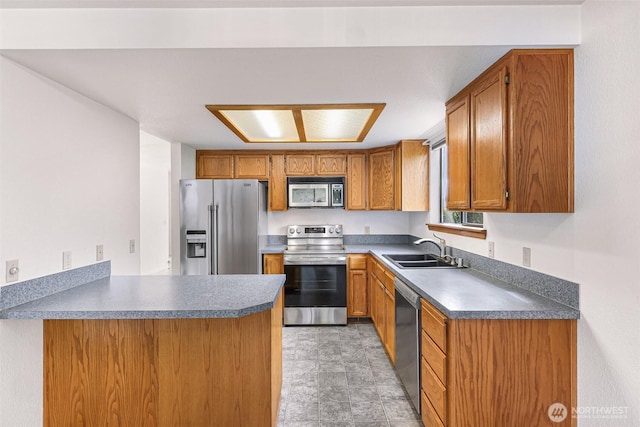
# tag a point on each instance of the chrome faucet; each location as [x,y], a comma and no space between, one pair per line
[442,245]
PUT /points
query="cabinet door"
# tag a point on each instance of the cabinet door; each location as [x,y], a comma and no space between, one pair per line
[277,184]
[356,192]
[300,164]
[412,176]
[489,142]
[214,166]
[381,180]
[390,324]
[357,294]
[251,166]
[331,164]
[458,163]
[273,264]
[380,306]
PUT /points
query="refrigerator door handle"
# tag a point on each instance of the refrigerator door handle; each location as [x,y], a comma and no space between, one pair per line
[214,240]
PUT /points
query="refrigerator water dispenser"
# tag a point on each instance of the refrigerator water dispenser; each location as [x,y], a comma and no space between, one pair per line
[196,243]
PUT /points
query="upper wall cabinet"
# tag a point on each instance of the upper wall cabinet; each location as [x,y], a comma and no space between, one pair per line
[212,165]
[412,175]
[313,164]
[510,136]
[381,179]
[251,166]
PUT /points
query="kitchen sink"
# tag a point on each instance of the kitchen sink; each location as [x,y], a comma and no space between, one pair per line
[417,261]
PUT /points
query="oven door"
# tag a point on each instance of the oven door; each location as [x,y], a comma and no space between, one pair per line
[315,294]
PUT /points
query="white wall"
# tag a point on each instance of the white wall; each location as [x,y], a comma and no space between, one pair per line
[69,172]
[598,245]
[155,176]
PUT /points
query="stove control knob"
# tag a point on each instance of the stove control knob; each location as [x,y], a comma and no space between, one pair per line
[331,230]
[298,230]
[338,230]
[291,230]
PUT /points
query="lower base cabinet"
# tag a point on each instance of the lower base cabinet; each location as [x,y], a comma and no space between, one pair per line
[383,306]
[496,372]
[164,372]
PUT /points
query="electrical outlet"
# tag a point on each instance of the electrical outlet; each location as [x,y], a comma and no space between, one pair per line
[526,257]
[367,229]
[66,260]
[491,251]
[132,246]
[12,271]
[99,252]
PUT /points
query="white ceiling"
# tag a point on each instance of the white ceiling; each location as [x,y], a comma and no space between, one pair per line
[165,90]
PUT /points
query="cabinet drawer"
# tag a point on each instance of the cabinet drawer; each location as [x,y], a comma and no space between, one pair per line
[357,262]
[434,357]
[434,324]
[429,416]
[435,391]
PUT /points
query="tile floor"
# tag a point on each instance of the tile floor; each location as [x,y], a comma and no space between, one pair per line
[340,376]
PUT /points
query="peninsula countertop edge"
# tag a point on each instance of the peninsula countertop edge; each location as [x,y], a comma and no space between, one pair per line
[157,297]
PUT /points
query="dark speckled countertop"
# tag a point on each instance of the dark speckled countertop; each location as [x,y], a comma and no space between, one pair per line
[155,297]
[467,293]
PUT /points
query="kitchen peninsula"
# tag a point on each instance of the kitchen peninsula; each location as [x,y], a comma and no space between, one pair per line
[162,350]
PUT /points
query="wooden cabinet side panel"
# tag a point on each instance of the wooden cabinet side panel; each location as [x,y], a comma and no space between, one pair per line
[356,191]
[543,131]
[357,298]
[276,357]
[277,184]
[210,165]
[251,166]
[390,324]
[458,161]
[414,176]
[219,371]
[489,142]
[331,164]
[508,372]
[99,372]
[381,180]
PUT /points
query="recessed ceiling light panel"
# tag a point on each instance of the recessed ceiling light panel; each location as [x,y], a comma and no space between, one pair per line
[299,123]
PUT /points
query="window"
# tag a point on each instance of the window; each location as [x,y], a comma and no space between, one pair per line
[470,219]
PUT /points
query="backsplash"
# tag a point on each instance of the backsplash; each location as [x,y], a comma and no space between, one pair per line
[29,290]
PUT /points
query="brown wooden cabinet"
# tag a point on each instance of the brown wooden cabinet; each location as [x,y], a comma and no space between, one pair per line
[273,264]
[515,125]
[382,305]
[412,176]
[277,184]
[211,165]
[251,166]
[357,289]
[381,179]
[356,181]
[300,164]
[518,369]
[331,164]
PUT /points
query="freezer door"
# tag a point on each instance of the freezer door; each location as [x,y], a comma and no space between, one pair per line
[237,212]
[196,199]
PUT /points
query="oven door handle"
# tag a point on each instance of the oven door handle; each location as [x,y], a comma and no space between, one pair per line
[315,260]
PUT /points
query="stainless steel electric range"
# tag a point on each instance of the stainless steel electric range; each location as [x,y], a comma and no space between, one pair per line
[315,262]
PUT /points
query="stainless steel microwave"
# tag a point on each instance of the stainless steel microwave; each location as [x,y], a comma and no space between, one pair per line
[324,193]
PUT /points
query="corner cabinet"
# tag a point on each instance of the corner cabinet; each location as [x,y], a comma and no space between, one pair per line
[495,372]
[412,176]
[510,135]
[356,182]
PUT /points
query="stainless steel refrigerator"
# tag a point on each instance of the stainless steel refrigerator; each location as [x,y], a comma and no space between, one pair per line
[223,226]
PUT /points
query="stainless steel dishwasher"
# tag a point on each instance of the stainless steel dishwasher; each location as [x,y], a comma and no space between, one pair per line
[408,340]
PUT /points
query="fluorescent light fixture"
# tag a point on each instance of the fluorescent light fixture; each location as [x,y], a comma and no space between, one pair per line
[299,123]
